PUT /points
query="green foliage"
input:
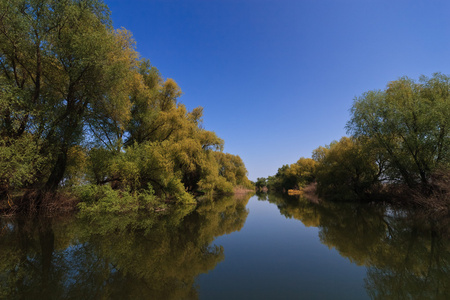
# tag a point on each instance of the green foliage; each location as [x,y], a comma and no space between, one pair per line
[293,176]
[99,161]
[79,106]
[139,167]
[76,166]
[103,199]
[66,64]
[216,184]
[346,170]
[232,168]
[19,162]
[304,171]
[260,183]
[399,135]
[410,124]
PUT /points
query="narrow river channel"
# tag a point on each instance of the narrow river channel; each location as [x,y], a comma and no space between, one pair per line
[278,257]
[246,247]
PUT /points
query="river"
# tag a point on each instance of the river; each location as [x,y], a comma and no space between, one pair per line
[245,247]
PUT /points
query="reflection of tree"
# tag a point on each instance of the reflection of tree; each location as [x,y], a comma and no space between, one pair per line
[413,264]
[27,260]
[407,257]
[116,257]
[291,207]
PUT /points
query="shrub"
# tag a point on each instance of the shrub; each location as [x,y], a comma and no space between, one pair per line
[104,199]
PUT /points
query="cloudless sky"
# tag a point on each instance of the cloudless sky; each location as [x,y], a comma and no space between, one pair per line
[276,78]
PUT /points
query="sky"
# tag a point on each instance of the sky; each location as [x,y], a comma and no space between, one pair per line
[277,78]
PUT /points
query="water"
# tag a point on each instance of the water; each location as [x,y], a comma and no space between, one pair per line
[265,247]
[274,257]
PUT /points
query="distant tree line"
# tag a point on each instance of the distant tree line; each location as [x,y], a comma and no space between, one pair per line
[80,107]
[399,138]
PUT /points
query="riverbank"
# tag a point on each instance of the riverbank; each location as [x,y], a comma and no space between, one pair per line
[93,199]
[436,205]
[242,190]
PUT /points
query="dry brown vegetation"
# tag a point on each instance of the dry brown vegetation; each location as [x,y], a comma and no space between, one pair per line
[242,190]
[309,192]
[437,202]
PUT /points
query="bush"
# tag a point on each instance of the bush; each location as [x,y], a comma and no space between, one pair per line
[102,198]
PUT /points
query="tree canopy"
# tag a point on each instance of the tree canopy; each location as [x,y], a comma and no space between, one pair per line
[398,137]
[293,176]
[409,123]
[79,106]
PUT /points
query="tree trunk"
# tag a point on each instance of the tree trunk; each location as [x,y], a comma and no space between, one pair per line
[58,171]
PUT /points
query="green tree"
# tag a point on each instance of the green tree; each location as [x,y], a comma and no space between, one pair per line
[63,62]
[260,183]
[346,170]
[79,106]
[293,176]
[304,171]
[232,168]
[280,181]
[410,123]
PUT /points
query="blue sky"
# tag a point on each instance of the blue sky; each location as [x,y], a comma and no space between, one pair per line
[277,78]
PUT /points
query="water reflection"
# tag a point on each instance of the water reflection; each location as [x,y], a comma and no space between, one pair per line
[160,257]
[407,257]
[115,257]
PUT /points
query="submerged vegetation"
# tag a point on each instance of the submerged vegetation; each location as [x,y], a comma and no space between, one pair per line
[399,148]
[82,112]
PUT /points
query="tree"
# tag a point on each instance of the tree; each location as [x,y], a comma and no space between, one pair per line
[63,62]
[304,171]
[232,168]
[346,170]
[293,176]
[410,123]
[261,182]
[78,106]
[280,181]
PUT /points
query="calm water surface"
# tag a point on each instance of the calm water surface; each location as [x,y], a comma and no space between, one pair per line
[260,247]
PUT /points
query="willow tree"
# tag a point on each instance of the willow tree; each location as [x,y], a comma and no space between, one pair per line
[60,63]
[232,168]
[346,170]
[410,122]
[294,176]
